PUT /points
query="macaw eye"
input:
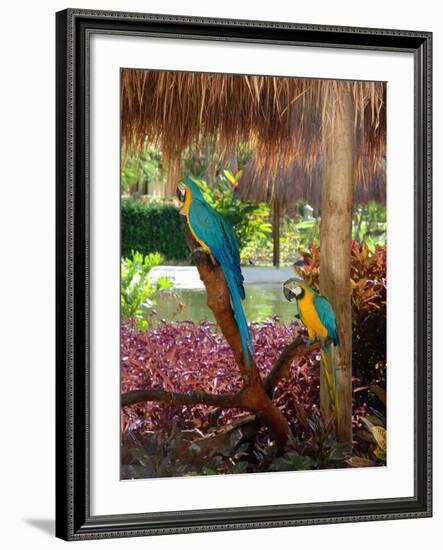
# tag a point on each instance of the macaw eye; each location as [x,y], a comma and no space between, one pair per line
[298,291]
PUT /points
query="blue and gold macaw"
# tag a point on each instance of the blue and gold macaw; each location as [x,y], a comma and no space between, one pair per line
[216,236]
[317,314]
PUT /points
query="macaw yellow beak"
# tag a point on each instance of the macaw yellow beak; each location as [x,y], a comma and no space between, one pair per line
[181,192]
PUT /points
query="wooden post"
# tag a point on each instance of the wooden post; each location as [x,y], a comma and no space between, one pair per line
[335,244]
[174,174]
[276,231]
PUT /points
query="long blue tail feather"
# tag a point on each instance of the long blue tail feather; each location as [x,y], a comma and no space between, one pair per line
[240,317]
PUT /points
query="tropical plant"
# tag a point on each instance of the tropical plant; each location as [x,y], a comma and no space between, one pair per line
[137,292]
[295,236]
[141,167]
[249,220]
[370,224]
[371,431]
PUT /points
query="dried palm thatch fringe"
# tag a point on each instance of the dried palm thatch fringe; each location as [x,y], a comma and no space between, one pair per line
[294,181]
[281,118]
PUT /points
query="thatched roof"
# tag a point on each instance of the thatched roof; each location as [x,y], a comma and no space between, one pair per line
[292,182]
[279,117]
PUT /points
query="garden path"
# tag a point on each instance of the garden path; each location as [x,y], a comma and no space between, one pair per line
[186,277]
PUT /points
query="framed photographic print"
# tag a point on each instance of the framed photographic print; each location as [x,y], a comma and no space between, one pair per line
[243,274]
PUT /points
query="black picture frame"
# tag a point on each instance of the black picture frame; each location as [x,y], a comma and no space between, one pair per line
[74,28]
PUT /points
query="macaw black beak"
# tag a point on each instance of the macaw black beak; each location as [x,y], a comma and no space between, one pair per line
[289,295]
[181,192]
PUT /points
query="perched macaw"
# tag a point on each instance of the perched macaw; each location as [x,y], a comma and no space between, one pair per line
[217,238]
[317,314]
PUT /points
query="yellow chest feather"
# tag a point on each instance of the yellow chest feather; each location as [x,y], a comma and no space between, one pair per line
[186,205]
[310,317]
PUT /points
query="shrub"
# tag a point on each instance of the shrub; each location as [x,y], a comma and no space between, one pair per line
[137,293]
[152,227]
[368,280]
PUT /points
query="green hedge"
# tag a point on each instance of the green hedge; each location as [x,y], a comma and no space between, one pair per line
[153,227]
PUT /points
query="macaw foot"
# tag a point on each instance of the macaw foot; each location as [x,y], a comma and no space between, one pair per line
[199,250]
[325,342]
[198,255]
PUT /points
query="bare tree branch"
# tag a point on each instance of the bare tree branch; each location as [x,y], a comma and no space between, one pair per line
[226,400]
[292,351]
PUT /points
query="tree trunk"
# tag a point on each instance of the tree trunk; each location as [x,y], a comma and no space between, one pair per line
[174,175]
[335,241]
[276,231]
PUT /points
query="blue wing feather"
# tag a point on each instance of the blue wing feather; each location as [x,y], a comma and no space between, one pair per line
[327,316]
[211,228]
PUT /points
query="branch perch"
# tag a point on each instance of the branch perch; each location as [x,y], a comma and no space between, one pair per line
[231,400]
[281,367]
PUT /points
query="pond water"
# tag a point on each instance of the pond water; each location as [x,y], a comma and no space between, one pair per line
[262,301]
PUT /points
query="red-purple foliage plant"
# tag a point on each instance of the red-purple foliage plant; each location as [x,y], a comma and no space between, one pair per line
[189,356]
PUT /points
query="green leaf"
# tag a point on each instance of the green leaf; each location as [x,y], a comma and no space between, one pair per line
[337,453]
[379,392]
[240,467]
[229,176]
[137,294]
[209,471]
[292,461]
